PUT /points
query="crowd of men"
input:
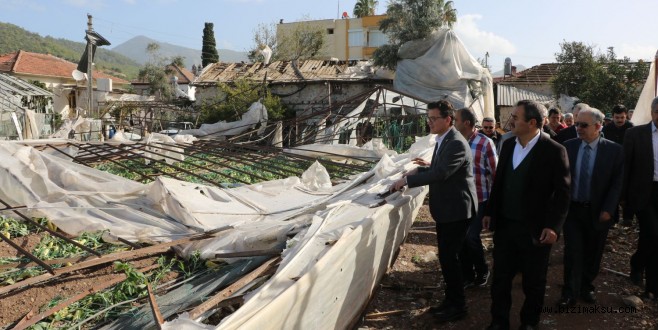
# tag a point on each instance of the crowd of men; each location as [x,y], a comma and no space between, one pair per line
[550,176]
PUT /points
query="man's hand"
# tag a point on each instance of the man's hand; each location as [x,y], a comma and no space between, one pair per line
[548,236]
[412,172]
[486,221]
[397,185]
[604,217]
[420,161]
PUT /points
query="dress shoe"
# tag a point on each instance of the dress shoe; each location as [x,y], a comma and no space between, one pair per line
[528,327]
[451,313]
[440,307]
[496,326]
[636,276]
[588,297]
[566,302]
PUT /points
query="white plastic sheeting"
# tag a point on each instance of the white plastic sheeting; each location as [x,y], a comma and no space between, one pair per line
[440,67]
[257,113]
[373,149]
[642,112]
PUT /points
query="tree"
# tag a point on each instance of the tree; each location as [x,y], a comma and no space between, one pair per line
[209,50]
[365,8]
[264,35]
[600,80]
[302,41]
[156,73]
[409,20]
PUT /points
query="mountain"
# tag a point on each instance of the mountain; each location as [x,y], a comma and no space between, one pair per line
[15,38]
[500,73]
[135,49]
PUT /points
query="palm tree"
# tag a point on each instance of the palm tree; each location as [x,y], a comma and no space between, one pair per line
[365,8]
[449,14]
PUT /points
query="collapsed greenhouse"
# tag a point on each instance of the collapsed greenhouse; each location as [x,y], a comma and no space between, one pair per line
[277,224]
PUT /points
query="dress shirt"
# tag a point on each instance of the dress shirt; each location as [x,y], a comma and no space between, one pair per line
[592,157]
[520,152]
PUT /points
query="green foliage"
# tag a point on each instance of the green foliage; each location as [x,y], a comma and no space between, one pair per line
[365,8]
[15,38]
[264,35]
[236,98]
[600,80]
[409,20]
[304,41]
[209,50]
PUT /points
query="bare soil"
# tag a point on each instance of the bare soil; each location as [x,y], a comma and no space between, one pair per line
[414,283]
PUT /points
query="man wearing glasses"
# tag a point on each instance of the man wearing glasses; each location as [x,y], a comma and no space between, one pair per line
[489,129]
[595,165]
[452,201]
[640,192]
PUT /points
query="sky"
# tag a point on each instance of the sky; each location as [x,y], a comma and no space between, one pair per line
[529,32]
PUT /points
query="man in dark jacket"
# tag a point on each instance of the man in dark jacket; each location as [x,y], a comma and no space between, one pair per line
[615,131]
[453,202]
[526,210]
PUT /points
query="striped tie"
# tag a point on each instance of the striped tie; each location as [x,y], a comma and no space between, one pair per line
[583,180]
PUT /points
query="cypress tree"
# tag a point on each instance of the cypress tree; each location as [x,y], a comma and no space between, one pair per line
[209,50]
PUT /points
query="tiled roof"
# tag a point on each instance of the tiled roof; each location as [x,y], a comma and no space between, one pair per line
[537,75]
[510,95]
[44,65]
[280,71]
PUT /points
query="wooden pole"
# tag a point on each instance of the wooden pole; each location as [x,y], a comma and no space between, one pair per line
[90,58]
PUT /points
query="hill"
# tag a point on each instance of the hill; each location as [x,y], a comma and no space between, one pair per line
[16,38]
[500,73]
[135,49]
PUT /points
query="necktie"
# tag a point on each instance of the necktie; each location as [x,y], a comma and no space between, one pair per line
[583,180]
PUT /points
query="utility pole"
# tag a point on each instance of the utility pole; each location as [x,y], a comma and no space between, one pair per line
[486,60]
[90,58]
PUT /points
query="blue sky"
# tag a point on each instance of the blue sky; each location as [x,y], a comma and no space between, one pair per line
[529,32]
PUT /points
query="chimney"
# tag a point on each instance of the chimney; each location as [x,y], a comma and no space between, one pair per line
[513,69]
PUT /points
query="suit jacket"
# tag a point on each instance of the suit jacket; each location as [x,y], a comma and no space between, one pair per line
[566,134]
[607,177]
[547,188]
[638,167]
[450,176]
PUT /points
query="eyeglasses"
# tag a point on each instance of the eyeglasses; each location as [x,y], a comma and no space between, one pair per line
[581,124]
[487,127]
[433,119]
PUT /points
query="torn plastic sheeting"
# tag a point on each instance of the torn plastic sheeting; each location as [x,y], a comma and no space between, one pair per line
[257,113]
[341,152]
[169,154]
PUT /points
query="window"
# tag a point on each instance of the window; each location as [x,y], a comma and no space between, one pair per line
[377,38]
[330,31]
[355,38]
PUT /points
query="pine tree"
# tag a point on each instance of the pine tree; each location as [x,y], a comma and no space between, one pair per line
[209,50]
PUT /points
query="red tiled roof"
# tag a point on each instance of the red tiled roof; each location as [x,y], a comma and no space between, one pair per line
[185,77]
[44,65]
[537,75]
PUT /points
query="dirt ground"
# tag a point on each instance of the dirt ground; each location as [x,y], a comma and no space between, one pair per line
[414,283]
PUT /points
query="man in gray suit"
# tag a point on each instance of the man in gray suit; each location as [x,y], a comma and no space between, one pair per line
[453,201]
[593,203]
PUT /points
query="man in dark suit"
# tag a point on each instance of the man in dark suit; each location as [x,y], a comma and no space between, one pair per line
[640,193]
[453,201]
[526,210]
[570,132]
[593,204]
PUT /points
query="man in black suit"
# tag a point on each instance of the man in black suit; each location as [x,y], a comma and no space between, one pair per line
[640,193]
[526,210]
[453,201]
[570,132]
[593,204]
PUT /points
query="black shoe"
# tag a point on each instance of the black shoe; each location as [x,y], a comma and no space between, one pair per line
[566,302]
[588,297]
[481,280]
[636,276]
[495,326]
[451,314]
[440,307]
[528,327]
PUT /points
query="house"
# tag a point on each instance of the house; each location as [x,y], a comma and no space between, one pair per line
[306,85]
[70,96]
[536,79]
[180,78]
[345,39]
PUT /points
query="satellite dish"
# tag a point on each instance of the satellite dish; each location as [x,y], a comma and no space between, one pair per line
[77,75]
